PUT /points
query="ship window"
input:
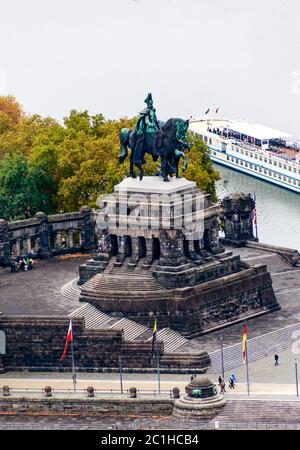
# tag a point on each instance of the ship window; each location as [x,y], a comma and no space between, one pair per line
[246,153]
[246,164]
[260,158]
[279,176]
[265,171]
[298,183]
[290,169]
[237,161]
[265,160]
[284,166]
[228,158]
[214,153]
[232,159]
[242,163]
[279,165]
[255,156]
[290,180]
[270,173]
[284,178]
[275,175]
[260,169]
[210,141]
[250,166]
[242,151]
[294,181]
[275,163]
[270,161]
[255,167]
[251,154]
[205,139]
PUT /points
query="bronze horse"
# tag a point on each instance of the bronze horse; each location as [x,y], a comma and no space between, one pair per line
[169,145]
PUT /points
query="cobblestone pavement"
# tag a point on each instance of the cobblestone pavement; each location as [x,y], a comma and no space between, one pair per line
[38,291]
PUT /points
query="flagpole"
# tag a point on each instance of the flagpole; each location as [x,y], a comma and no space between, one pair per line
[247,368]
[157,357]
[256,232]
[73,361]
[222,357]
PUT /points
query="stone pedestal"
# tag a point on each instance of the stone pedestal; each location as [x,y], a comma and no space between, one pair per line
[159,255]
[201,401]
[238,214]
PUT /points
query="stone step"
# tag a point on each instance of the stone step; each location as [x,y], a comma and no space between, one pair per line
[171,339]
[267,411]
[133,331]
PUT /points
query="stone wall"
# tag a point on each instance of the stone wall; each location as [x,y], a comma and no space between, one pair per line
[36,344]
[88,406]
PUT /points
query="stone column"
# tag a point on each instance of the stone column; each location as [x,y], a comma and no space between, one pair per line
[43,233]
[149,250]
[37,244]
[70,238]
[87,230]
[103,250]
[238,214]
[135,255]
[18,247]
[28,245]
[121,249]
[171,248]
[58,242]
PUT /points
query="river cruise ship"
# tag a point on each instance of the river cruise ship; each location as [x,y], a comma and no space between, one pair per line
[254,149]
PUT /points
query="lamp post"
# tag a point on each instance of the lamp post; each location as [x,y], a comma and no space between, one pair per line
[222,357]
[296,373]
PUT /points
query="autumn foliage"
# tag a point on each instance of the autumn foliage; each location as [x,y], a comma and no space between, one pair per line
[52,167]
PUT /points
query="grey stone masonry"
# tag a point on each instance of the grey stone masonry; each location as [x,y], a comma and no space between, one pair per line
[43,236]
[159,255]
[238,214]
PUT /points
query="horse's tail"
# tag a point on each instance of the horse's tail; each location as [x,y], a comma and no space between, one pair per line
[124,142]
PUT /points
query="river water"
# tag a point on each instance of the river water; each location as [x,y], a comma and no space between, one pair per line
[278,210]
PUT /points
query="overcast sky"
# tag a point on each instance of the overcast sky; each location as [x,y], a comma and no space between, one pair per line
[105,55]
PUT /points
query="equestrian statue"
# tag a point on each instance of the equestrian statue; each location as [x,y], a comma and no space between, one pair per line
[165,140]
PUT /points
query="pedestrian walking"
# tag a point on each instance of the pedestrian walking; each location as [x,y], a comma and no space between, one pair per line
[232,381]
[223,387]
[276,357]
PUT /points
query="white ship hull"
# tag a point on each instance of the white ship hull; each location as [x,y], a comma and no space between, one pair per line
[250,159]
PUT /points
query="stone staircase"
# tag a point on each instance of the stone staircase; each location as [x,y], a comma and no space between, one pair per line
[133,331]
[260,411]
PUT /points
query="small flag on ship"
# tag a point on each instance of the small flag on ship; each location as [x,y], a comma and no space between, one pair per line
[207,111]
[154,340]
[244,343]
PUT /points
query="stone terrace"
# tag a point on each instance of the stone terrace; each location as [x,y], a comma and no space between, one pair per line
[38,292]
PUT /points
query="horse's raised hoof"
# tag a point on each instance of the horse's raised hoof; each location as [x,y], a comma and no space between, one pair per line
[141,176]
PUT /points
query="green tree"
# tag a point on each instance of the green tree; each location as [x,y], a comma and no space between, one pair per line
[23,188]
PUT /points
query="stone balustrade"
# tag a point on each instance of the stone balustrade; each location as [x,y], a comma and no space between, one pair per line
[43,235]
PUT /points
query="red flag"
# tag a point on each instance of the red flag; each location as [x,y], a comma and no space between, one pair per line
[69,339]
[255,218]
